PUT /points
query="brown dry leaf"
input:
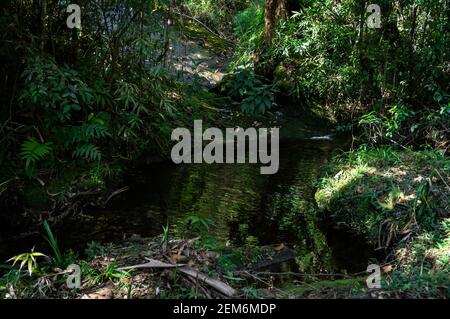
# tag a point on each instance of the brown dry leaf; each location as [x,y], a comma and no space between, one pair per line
[103,293]
[126,280]
[179,258]
[387,269]
[279,247]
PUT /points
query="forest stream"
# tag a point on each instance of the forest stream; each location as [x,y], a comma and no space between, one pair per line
[354,200]
[228,203]
[224,204]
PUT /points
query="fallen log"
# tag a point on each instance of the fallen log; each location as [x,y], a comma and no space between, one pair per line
[152,264]
[216,284]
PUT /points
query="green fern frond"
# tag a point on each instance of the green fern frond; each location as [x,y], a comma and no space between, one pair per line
[88,132]
[88,152]
[33,151]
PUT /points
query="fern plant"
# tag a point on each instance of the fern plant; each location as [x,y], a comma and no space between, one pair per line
[32,151]
[88,132]
[83,137]
[197,222]
[88,152]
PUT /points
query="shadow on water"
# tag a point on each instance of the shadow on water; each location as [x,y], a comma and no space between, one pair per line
[235,203]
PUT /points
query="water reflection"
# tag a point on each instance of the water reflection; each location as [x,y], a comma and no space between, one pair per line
[228,202]
[235,203]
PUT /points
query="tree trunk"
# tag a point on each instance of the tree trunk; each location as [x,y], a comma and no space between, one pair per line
[43,22]
[274,11]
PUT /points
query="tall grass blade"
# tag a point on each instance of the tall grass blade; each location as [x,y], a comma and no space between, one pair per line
[53,242]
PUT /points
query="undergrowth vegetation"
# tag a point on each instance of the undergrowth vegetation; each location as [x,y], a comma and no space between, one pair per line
[401,201]
[216,14]
[389,87]
[102,275]
[81,107]
[393,79]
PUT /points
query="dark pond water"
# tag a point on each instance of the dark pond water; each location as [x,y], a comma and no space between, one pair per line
[233,202]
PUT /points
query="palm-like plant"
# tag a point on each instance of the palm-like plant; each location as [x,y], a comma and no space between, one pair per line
[28,259]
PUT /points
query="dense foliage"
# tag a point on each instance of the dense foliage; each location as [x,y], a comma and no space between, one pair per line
[80,106]
[216,14]
[326,57]
[100,93]
[388,86]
